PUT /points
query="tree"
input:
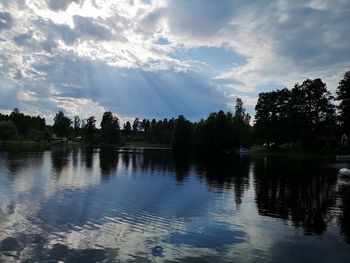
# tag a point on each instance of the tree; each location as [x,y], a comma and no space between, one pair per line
[62,124]
[25,123]
[302,114]
[272,113]
[312,113]
[241,127]
[136,126]
[182,135]
[127,130]
[7,130]
[110,128]
[16,116]
[90,128]
[240,113]
[76,125]
[215,135]
[343,95]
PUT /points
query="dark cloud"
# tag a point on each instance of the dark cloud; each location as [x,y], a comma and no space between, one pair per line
[149,22]
[205,18]
[309,36]
[92,28]
[307,33]
[199,17]
[58,5]
[26,40]
[6,20]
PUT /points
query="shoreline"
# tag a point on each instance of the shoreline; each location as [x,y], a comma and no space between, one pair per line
[255,152]
[48,144]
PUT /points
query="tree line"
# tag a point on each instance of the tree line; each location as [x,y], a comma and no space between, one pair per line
[304,117]
[220,132]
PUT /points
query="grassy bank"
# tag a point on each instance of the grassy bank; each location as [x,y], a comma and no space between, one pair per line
[129,144]
[330,154]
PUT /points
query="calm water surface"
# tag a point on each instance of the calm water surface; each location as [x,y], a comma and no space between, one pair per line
[76,204]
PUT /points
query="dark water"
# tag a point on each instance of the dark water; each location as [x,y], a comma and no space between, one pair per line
[87,205]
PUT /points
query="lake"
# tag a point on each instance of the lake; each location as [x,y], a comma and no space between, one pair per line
[83,204]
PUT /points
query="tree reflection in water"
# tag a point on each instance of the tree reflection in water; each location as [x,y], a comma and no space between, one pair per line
[59,157]
[344,203]
[92,194]
[225,172]
[297,190]
[108,161]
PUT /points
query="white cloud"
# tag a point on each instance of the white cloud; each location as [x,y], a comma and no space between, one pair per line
[283,42]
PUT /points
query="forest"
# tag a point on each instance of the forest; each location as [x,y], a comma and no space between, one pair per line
[305,117]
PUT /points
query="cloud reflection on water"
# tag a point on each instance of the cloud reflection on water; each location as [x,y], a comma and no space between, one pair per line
[77,204]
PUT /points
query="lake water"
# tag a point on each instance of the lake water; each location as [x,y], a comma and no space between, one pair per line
[74,204]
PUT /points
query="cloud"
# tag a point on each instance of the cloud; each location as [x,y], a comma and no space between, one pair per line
[284,42]
[133,92]
[288,42]
[199,18]
[58,5]
[161,58]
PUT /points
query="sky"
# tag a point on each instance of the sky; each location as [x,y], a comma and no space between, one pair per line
[162,58]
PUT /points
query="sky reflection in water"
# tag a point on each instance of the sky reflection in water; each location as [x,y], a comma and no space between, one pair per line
[91,204]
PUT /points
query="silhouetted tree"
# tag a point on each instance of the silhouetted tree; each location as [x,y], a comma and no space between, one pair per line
[302,114]
[240,113]
[62,124]
[216,134]
[110,128]
[127,130]
[182,134]
[241,127]
[25,123]
[136,126]
[7,130]
[271,117]
[90,128]
[343,95]
[76,125]
[312,113]
[16,117]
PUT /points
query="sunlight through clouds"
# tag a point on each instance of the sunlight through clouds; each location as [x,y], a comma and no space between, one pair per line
[240,46]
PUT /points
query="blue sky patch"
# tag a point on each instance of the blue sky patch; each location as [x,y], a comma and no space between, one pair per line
[218,59]
[162,41]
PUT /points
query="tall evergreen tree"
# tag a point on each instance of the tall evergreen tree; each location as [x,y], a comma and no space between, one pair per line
[343,95]
[76,125]
[241,127]
[127,130]
[136,126]
[90,128]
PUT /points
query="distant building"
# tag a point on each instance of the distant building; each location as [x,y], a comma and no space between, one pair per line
[57,139]
[78,139]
